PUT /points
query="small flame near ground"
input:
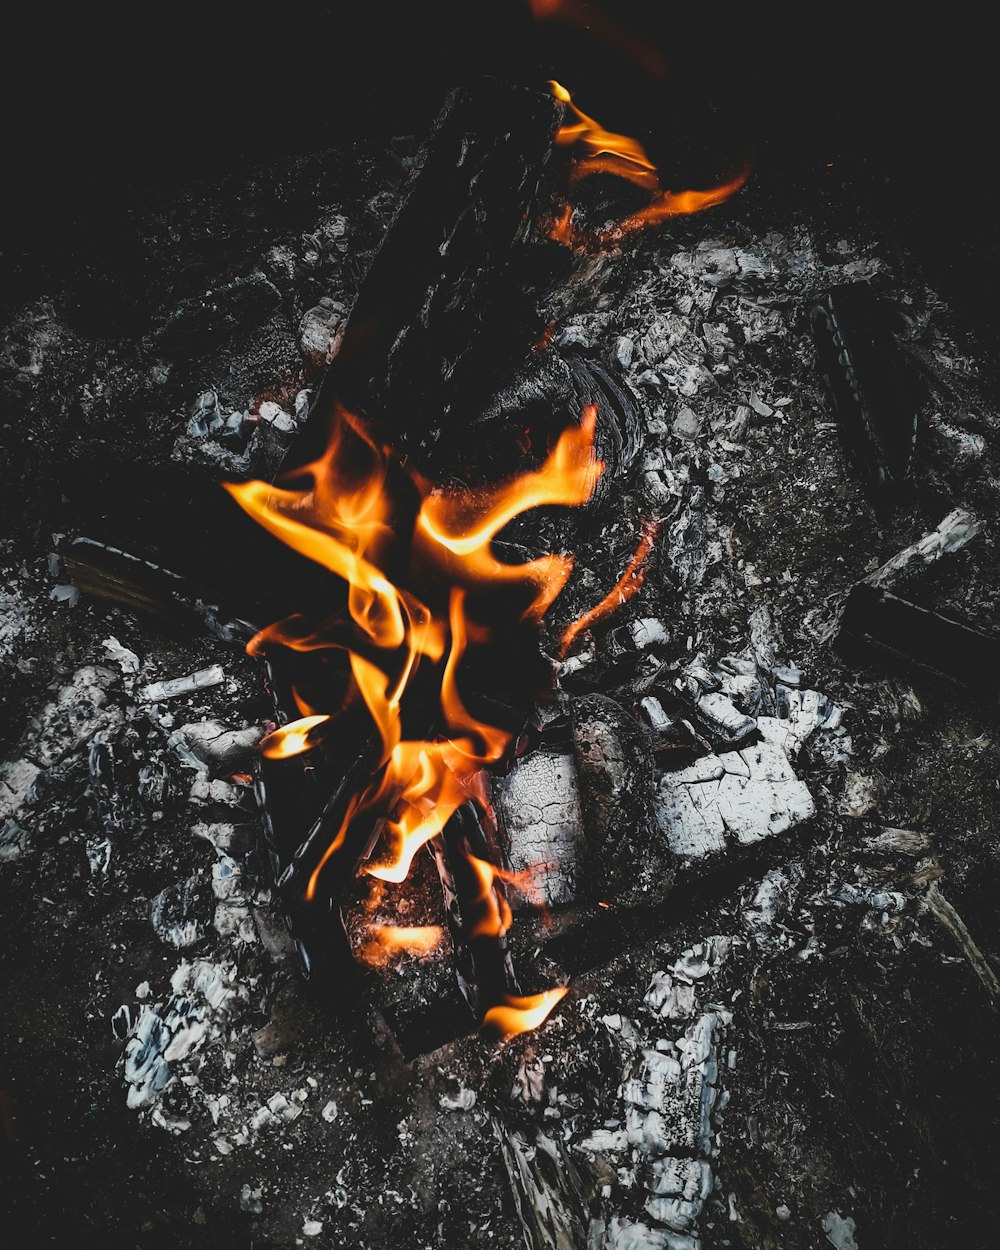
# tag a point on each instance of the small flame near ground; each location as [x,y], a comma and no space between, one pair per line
[292,738]
[604,151]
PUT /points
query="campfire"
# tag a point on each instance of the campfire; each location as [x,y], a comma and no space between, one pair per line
[511,766]
[431,607]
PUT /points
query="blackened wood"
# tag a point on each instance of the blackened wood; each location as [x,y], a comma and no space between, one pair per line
[141,585]
[442,316]
[874,390]
[483,961]
[877,625]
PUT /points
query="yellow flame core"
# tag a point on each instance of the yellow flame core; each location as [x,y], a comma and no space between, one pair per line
[292,738]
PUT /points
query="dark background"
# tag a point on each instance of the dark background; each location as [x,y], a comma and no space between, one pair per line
[109,104]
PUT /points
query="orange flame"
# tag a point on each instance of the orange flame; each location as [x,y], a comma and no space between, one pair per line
[607,152]
[623,590]
[292,738]
[387,941]
[517,1014]
[604,151]
[342,519]
[459,526]
[495,915]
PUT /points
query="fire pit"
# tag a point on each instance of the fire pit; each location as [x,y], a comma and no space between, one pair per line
[511,763]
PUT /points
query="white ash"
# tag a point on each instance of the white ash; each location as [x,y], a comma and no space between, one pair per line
[654,713]
[547,1188]
[15,619]
[720,712]
[584,654]
[246,441]
[180,913]
[126,660]
[839,1231]
[671,1107]
[751,793]
[80,709]
[954,532]
[802,713]
[321,329]
[274,415]
[167,1035]
[539,806]
[220,747]
[746,795]
[233,917]
[176,686]
[648,632]
[205,791]
[770,900]
[965,446]
[463,1100]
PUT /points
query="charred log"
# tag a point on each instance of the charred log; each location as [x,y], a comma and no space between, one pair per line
[873,389]
[880,626]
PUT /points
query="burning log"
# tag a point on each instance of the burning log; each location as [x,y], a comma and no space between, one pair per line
[548,393]
[875,622]
[144,586]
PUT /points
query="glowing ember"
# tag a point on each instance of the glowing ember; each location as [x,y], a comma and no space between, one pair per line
[387,942]
[521,1014]
[604,151]
[627,585]
[291,739]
